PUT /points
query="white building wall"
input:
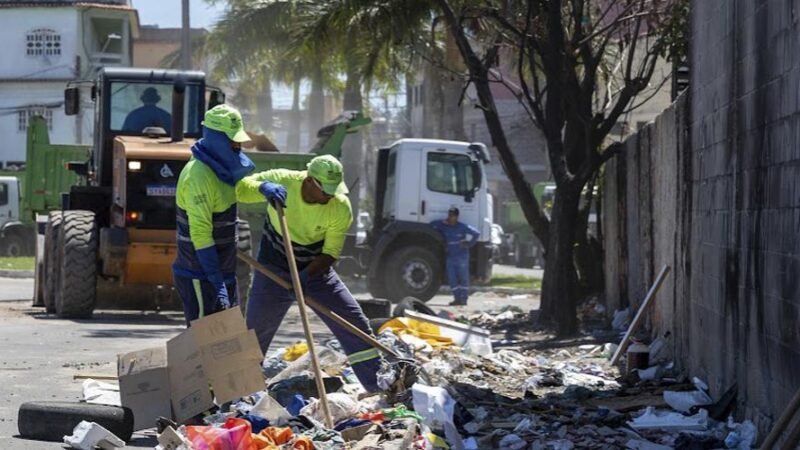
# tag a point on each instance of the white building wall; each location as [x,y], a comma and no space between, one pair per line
[16,23]
[16,96]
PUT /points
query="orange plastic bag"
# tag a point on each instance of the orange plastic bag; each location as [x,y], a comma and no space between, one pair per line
[303,443]
[271,437]
[234,435]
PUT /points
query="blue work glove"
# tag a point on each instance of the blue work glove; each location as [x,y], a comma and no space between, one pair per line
[210,261]
[275,193]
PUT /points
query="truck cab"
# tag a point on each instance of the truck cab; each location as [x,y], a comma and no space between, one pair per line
[418,181]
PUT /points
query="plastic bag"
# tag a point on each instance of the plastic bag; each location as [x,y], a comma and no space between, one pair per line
[341,406]
[235,434]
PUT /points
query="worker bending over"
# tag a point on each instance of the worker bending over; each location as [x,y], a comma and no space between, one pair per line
[459,237]
[318,215]
[205,267]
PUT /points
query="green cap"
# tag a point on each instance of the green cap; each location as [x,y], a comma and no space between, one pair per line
[328,171]
[228,120]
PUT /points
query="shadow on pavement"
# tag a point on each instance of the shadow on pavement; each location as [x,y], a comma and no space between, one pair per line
[111,317]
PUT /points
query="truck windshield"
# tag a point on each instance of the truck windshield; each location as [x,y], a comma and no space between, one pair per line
[137,105]
[450,174]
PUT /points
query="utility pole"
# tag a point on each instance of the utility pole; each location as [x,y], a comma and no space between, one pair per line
[186,45]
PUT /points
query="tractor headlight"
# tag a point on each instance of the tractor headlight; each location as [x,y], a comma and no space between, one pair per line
[134,165]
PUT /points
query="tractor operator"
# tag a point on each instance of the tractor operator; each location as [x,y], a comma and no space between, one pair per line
[318,214]
[205,268]
[460,237]
[148,115]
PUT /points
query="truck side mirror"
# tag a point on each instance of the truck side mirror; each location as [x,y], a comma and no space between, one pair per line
[216,97]
[72,101]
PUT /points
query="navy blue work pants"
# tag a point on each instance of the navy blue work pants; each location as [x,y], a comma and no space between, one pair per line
[269,303]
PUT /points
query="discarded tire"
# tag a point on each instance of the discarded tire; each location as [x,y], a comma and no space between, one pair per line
[51,421]
[412,304]
[50,260]
[77,283]
[413,271]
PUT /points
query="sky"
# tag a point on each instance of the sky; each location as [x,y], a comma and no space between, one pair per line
[167,13]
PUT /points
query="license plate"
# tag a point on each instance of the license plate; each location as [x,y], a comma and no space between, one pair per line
[161,190]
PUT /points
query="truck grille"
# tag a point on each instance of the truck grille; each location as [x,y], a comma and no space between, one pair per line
[151,193]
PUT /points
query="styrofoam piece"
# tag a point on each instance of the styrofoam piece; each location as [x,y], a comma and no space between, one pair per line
[88,435]
[670,421]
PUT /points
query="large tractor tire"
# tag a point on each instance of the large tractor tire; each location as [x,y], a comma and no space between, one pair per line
[77,284]
[51,421]
[243,270]
[50,261]
[412,272]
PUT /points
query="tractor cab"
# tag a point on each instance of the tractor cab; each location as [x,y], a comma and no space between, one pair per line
[139,150]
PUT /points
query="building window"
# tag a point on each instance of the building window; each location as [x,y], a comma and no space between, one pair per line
[43,42]
[24,117]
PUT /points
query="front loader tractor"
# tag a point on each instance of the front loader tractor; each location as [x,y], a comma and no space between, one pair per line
[113,240]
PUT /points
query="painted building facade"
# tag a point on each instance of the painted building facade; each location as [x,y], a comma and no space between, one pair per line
[47,44]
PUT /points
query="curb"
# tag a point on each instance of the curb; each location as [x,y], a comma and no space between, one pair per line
[498,290]
[16,274]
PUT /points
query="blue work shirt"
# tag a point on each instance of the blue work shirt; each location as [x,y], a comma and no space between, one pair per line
[147,116]
[454,235]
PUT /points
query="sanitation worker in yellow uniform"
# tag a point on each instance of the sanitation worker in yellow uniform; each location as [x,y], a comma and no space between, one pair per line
[318,214]
[205,267]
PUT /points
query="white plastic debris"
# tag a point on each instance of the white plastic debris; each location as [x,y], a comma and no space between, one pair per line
[512,442]
[743,436]
[330,361]
[507,315]
[341,406]
[171,439]
[670,421]
[437,406]
[101,393]
[88,435]
[268,408]
[685,401]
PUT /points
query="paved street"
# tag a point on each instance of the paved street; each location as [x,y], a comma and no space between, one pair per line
[42,353]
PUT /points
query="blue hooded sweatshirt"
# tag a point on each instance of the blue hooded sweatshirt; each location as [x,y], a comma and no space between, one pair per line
[214,150]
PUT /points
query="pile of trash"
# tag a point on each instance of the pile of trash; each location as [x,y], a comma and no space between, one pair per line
[456,386]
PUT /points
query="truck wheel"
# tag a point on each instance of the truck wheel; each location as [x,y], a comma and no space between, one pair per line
[413,272]
[243,270]
[77,287]
[13,245]
[50,260]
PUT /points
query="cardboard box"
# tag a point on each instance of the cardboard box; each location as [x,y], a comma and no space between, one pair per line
[218,350]
[144,385]
[230,354]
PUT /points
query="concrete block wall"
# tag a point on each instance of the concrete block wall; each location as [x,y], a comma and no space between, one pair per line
[711,188]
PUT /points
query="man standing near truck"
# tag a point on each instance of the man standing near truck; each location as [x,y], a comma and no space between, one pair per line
[459,237]
[318,214]
[205,267]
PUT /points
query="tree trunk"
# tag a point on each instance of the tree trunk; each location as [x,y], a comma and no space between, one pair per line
[452,86]
[559,293]
[316,104]
[352,159]
[588,250]
[265,110]
[294,124]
